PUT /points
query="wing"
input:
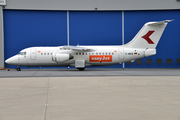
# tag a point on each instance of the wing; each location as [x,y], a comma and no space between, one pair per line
[78,49]
[74,49]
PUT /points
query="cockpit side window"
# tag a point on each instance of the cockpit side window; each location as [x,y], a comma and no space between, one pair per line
[22,53]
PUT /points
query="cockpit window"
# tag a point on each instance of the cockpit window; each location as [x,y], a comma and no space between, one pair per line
[22,53]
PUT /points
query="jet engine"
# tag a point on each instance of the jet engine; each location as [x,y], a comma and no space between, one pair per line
[56,57]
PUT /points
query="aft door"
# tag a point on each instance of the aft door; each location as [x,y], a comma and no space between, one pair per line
[121,53]
[33,54]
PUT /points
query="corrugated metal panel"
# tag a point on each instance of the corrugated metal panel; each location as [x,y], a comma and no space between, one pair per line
[93,4]
[1,39]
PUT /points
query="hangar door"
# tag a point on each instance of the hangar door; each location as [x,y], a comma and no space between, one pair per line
[168,48]
[96,28]
[49,28]
[24,29]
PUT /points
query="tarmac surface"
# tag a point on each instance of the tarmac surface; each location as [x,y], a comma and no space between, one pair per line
[88,72]
[93,94]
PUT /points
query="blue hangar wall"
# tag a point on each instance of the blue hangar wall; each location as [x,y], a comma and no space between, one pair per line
[24,29]
[168,48]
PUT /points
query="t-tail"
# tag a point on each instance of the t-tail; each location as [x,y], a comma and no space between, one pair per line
[149,35]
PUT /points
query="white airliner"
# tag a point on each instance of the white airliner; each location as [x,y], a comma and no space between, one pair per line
[142,45]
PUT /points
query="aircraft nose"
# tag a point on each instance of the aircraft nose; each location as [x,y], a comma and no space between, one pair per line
[8,61]
[12,60]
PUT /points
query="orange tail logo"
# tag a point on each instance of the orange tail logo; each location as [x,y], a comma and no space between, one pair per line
[100,58]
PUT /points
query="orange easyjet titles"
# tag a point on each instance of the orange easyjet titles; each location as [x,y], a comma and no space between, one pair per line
[100,58]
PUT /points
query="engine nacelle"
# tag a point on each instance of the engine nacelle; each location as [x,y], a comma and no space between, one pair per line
[56,57]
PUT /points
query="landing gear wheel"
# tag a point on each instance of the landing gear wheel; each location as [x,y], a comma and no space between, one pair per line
[18,69]
[81,69]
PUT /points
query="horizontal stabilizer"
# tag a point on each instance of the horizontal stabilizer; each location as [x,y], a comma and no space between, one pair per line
[158,23]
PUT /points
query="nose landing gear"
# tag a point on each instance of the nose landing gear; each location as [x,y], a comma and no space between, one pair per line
[18,68]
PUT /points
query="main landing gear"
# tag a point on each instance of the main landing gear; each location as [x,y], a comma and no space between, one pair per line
[81,69]
[18,68]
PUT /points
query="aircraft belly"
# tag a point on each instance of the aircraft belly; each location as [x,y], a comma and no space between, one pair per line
[47,64]
[102,64]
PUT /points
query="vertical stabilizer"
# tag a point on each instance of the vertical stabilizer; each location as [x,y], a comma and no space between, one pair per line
[149,35]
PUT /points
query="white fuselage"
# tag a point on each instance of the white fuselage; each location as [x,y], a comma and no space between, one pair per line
[100,56]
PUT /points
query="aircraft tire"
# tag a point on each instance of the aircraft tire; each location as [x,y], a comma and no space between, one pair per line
[81,69]
[18,69]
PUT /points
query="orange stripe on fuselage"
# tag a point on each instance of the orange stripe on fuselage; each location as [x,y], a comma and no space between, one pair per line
[100,58]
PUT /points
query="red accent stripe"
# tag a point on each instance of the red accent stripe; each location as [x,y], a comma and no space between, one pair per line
[146,37]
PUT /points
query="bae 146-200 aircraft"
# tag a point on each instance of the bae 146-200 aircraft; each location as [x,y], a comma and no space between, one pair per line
[142,45]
